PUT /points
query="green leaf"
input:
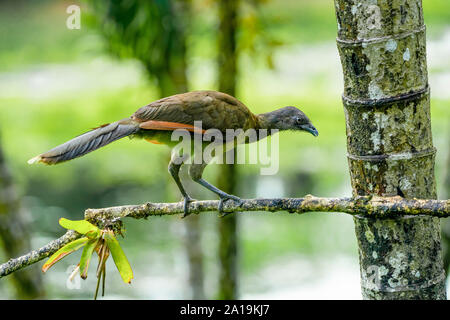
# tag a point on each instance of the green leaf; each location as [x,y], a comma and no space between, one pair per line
[64,251]
[119,257]
[81,226]
[86,256]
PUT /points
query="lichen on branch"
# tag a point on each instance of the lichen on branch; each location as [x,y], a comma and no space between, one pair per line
[377,207]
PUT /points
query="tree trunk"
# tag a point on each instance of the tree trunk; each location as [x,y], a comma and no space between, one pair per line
[390,151]
[172,79]
[178,77]
[15,236]
[171,75]
[227,73]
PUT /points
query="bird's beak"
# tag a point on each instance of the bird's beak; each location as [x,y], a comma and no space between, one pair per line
[310,128]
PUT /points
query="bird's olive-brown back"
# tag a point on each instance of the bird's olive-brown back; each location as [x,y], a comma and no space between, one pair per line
[215,109]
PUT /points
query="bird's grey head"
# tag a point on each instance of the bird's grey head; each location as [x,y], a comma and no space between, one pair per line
[289,118]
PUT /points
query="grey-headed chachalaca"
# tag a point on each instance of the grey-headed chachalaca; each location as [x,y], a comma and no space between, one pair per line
[156,122]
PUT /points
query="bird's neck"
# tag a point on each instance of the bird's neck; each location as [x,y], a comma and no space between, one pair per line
[267,120]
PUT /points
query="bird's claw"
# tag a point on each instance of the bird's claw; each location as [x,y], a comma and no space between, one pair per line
[224,214]
[226,198]
[186,201]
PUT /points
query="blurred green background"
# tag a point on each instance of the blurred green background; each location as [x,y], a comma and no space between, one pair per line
[56,83]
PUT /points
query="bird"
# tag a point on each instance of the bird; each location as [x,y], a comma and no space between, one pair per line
[157,121]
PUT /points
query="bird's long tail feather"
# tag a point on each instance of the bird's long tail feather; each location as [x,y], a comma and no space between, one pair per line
[87,142]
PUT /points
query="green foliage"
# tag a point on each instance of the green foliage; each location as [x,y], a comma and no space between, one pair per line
[135,29]
[150,31]
[86,257]
[119,257]
[82,227]
[64,251]
[255,37]
[101,241]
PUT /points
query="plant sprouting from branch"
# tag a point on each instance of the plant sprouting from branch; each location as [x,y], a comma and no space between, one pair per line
[101,241]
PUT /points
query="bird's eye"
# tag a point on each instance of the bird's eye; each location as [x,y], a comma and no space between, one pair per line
[298,120]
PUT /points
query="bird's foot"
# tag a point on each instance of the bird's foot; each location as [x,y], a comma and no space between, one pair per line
[224,214]
[225,197]
[186,201]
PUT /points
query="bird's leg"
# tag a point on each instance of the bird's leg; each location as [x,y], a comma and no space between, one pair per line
[196,172]
[223,195]
[174,170]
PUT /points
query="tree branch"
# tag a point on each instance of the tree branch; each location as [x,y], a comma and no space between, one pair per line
[37,255]
[376,207]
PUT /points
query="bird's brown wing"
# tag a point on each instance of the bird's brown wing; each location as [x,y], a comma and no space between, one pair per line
[215,110]
[168,126]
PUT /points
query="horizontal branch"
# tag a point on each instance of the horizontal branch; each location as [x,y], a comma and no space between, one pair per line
[376,207]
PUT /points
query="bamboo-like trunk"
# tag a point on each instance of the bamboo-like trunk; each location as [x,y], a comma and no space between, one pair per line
[390,151]
[227,74]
